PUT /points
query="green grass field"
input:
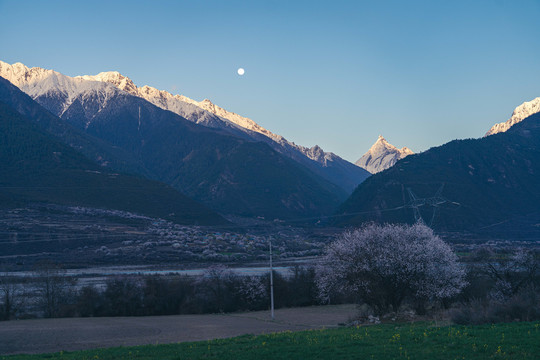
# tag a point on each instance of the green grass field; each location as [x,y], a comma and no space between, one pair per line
[404,341]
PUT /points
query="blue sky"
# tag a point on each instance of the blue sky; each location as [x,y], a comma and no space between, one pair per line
[332,73]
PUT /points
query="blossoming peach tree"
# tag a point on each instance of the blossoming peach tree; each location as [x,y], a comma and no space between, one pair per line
[385,264]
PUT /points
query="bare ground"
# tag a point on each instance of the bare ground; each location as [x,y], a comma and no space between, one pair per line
[53,335]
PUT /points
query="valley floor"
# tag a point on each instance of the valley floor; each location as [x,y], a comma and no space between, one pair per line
[69,334]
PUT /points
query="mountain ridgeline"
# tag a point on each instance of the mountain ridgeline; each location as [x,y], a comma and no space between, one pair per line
[478,186]
[38,82]
[325,164]
[230,174]
[235,167]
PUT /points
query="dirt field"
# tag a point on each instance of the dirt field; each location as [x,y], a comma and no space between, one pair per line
[53,335]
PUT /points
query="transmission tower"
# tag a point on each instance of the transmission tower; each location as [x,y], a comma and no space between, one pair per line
[435,201]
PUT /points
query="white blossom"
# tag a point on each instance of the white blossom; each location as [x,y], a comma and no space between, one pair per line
[385,264]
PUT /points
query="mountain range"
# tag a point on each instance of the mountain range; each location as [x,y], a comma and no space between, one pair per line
[36,82]
[383,155]
[222,167]
[480,186]
[197,152]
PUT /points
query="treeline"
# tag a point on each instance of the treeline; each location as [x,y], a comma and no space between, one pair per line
[218,290]
[501,286]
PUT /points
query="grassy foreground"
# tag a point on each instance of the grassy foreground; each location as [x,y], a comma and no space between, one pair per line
[402,341]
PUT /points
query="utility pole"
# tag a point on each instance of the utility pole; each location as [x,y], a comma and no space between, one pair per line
[271,282]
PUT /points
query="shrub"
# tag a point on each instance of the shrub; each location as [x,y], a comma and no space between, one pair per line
[523,306]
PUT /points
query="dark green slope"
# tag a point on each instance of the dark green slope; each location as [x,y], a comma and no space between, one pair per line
[495,182]
[35,167]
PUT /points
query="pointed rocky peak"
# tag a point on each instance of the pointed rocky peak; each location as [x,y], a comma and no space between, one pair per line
[381,145]
[520,113]
[316,153]
[406,150]
[381,156]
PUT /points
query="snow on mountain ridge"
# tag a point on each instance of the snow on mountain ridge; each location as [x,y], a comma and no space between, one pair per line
[20,75]
[177,104]
[37,81]
[381,156]
[89,94]
[237,119]
[520,113]
[114,77]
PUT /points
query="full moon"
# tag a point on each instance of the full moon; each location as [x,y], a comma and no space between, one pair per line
[241,71]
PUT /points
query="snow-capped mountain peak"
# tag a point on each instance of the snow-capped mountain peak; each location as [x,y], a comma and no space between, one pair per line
[520,113]
[382,143]
[43,83]
[113,77]
[382,155]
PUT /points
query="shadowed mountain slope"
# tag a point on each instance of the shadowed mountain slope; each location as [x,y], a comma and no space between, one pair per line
[227,173]
[37,168]
[491,185]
